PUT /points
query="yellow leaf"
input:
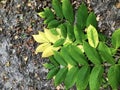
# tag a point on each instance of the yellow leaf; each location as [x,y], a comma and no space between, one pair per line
[42,47]
[49,51]
[51,37]
[40,38]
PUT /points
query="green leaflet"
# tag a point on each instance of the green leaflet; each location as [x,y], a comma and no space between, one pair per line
[49,15]
[81,17]
[60,76]
[96,77]
[71,77]
[116,39]
[103,47]
[59,58]
[68,11]
[53,31]
[63,30]
[59,42]
[114,76]
[105,53]
[53,61]
[53,23]
[91,20]
[83,78]
[56,4]
[70,31]
[47,20]
[42,14]
[92,36]
[67,57]
[92,54]
[77,55]
[79,35]
[46,13]
[52,73]
[48,65]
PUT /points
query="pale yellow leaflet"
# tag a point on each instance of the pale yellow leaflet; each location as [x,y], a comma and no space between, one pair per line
[42,47]
[49,51]
[40,38]
[51,37]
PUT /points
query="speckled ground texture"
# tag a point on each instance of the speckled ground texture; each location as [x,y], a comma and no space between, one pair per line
[20,68]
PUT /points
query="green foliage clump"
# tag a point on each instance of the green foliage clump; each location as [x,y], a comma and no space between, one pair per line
[78,54]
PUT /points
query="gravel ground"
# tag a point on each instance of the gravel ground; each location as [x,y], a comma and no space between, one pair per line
[20,68]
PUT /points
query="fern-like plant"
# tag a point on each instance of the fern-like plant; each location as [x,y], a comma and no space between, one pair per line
[78,54]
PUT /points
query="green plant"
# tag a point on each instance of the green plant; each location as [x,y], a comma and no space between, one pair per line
[78,54]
